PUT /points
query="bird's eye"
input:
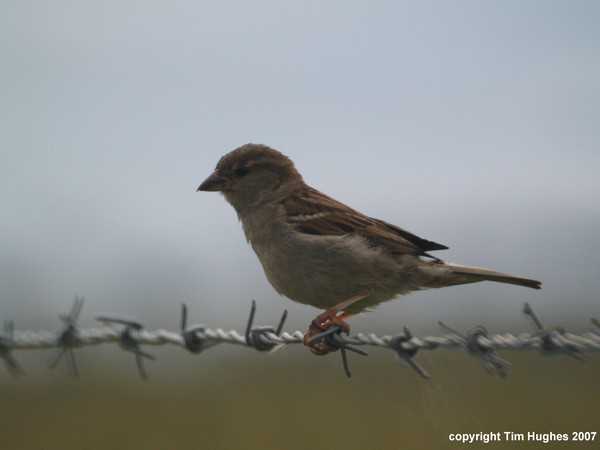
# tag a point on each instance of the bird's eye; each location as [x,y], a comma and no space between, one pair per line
[242,171]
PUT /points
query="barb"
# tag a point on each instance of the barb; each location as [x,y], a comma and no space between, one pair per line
[6,344]
[129,338]
[553,342]
[477,344]
[130,335]
[191,335]
[68,338]
[256,336]
[333,341]
[406,356]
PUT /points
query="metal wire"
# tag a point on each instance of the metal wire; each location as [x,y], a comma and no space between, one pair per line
[130,335]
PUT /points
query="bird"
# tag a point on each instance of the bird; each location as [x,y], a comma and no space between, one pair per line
[317,251]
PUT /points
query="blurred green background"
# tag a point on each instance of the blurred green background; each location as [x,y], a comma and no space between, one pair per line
[237,398]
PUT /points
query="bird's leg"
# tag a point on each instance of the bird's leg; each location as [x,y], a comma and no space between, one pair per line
[325,320]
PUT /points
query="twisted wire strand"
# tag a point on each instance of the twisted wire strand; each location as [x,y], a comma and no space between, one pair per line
[31,340]
[130,335]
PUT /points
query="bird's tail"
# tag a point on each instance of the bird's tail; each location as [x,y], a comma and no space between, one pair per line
[449,274]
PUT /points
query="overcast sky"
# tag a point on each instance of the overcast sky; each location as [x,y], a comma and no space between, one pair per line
[473,124]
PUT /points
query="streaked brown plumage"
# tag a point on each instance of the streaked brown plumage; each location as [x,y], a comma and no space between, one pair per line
[318,251]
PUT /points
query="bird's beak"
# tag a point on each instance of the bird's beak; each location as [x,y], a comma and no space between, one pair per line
[214,182]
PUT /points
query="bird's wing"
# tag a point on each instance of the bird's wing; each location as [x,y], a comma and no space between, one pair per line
[313,212]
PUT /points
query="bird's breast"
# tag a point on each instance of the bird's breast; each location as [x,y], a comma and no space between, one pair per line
[325,270]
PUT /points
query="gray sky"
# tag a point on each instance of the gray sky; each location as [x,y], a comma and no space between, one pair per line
[474,124]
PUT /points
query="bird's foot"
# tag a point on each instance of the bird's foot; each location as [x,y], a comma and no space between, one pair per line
[325,320]
[314,337]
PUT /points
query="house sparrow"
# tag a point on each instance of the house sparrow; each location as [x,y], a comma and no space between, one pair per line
[320,252]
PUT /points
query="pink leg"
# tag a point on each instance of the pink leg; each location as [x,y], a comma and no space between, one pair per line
[328,318]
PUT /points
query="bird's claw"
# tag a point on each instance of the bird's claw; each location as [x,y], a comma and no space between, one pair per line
[314,337]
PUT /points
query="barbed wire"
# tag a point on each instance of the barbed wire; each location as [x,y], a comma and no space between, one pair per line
[130,335]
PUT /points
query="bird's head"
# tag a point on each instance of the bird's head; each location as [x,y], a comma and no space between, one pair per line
[251,175]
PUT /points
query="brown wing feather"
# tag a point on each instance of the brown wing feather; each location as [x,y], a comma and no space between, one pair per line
[315,213]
